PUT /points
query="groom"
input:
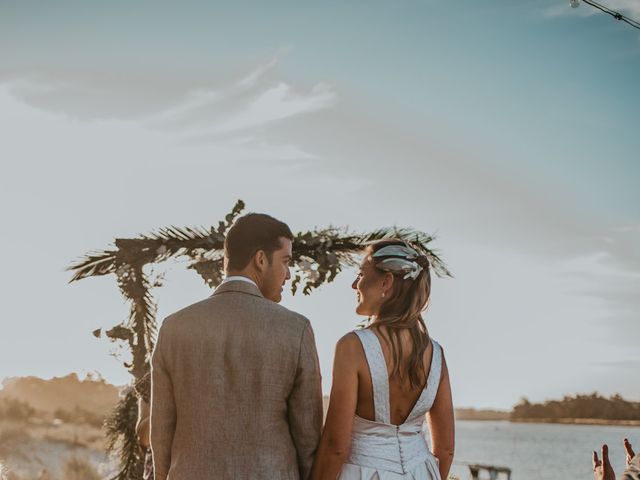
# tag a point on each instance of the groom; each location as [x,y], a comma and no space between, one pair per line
[236,389]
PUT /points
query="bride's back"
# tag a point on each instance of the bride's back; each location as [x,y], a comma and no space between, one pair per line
[402,395]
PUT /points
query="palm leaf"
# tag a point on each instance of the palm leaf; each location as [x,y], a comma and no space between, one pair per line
[94,264]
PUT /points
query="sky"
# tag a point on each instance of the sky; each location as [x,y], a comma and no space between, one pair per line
[508,129]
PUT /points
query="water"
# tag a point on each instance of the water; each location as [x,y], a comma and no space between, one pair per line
[537,451]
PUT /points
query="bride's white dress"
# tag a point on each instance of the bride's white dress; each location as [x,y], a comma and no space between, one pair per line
[380,450]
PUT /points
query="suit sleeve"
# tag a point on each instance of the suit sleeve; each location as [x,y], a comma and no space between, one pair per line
[163,408]
[305,403]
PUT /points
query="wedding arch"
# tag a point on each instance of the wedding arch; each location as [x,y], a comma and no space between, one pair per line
[318,257]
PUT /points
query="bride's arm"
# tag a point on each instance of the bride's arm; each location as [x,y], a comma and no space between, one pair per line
[336,437]
[441,424]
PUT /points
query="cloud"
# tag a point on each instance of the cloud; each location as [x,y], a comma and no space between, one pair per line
[184,108]
[174,103]
[253,102]
[259,72]
[277,103]
[632,365]
[193,101]
[612,249]
[610,273]
[629,228]
[88,95]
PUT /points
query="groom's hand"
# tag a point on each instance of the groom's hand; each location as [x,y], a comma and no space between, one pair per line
[602,469]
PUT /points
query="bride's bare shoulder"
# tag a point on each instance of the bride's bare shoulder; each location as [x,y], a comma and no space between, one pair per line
[349,345]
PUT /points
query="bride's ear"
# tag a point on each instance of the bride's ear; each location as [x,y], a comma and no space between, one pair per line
[387,283]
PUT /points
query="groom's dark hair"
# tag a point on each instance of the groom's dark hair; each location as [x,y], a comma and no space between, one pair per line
[250,233]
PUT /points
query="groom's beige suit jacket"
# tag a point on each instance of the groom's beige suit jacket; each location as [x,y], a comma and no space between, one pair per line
[236,390]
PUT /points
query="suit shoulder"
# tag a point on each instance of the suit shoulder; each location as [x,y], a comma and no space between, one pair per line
[275,309]
[294,318]
[185,313]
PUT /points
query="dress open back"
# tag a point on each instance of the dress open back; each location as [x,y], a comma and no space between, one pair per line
[380,450]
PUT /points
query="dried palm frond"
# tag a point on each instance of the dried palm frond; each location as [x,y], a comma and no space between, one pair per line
[120,429]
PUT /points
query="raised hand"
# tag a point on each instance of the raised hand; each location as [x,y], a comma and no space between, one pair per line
[629,451]
[602,469]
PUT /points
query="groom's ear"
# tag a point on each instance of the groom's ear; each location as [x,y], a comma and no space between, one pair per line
[260,260]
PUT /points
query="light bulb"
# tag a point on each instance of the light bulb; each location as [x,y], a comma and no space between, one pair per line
[574,3]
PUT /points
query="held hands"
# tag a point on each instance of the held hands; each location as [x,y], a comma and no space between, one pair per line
[602,469]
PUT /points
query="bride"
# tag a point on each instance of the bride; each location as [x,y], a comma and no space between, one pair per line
[388,378]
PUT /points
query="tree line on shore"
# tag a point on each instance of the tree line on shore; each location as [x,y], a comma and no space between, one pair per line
[88,402]
[21,411]
[591,406]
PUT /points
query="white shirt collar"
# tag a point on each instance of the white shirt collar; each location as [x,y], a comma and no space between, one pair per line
[239,278]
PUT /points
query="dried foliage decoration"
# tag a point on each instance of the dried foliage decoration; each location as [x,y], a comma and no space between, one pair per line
[120,428]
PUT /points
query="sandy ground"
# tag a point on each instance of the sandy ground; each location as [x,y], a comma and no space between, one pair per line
[40,450]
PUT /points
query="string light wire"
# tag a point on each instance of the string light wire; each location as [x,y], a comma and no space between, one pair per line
[613,13]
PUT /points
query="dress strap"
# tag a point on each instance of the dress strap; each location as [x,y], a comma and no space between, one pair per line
[379,373]
[428,394]
[435,371]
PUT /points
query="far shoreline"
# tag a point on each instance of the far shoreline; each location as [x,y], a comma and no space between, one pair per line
[579,421]
[560,421]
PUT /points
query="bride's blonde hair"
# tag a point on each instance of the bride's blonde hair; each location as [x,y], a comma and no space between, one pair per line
[402,310]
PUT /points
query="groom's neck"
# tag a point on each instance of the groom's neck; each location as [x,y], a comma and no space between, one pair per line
[244,273]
